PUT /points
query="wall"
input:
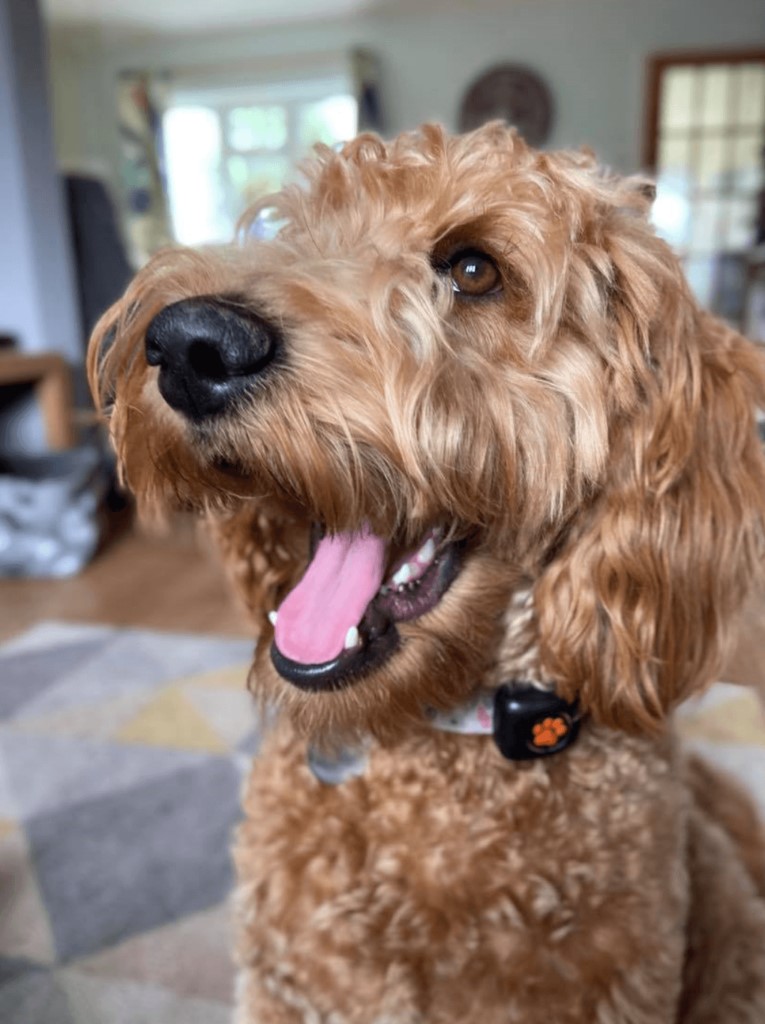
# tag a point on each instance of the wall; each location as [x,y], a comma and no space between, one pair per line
[37,302]
[592,52]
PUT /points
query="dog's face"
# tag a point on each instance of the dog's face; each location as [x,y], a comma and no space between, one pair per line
[460,368]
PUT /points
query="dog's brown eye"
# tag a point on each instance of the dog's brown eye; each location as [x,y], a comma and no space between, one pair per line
[474,273]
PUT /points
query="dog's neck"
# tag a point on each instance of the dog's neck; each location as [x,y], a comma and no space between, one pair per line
[514,704]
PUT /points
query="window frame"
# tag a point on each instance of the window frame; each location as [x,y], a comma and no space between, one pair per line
[220,97]
[658,64]
[719,277]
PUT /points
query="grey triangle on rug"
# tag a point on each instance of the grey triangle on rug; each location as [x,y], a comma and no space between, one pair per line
[121,760]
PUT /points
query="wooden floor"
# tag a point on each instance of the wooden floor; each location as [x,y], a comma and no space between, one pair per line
[166,583]
[173,583]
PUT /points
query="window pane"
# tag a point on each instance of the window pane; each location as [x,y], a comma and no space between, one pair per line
[670,212]
[748,163]
[715,162]
[257,128]
[750,88]
[705,224]
[714,111]
[674,158]
[740,218]
[671,209]
[192,140]
[252,177]
[330,121]
[677,97]
[700,274]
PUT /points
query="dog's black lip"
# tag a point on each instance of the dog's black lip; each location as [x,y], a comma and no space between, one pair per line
[341,671]
[380,638]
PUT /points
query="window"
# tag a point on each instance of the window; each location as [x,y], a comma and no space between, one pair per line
[224,147]
[705,140]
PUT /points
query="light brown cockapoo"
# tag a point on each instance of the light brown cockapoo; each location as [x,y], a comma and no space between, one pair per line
[466,439]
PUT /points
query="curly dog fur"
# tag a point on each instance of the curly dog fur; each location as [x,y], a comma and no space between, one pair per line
[584,436]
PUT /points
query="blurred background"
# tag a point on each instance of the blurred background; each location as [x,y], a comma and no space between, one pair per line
[126,125]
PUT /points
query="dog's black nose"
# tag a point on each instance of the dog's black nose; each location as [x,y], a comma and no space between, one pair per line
[209,351]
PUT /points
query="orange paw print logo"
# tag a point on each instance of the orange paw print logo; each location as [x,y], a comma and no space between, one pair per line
[549,732]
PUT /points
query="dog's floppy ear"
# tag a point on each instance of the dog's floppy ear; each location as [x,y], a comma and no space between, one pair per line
[634,608]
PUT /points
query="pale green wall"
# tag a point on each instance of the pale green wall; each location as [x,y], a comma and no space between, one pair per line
[592,52]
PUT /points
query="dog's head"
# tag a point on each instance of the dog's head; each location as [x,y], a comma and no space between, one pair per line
[460,368]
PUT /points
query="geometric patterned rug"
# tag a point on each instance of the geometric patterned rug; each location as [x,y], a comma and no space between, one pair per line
[727,727]
[121,758]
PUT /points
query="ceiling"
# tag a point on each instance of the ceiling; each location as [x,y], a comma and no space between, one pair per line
[179,16]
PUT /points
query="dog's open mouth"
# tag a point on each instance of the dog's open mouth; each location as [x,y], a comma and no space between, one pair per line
[339,622]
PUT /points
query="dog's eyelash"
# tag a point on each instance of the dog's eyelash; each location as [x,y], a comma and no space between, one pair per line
[440,264]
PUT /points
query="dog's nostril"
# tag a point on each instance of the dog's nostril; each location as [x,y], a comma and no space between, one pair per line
[205,361]
[153,352]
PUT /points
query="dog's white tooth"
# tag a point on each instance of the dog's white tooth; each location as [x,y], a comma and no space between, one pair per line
[272,618]
[403,575]
[426,552]
[351,638]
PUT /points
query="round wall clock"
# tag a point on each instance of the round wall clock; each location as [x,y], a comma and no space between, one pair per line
[512,93]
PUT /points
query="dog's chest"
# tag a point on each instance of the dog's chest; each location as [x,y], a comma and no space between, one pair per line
[452,870]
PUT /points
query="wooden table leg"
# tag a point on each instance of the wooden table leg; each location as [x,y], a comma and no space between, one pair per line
[51,377]
[55,394]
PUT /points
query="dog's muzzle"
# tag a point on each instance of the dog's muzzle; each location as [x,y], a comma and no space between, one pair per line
[209,352]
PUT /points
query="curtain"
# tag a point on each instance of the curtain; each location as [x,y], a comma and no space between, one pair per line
[140,132]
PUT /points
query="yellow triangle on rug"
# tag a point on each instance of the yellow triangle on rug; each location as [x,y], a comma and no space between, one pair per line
[170,720]
[233,677]
[739,720]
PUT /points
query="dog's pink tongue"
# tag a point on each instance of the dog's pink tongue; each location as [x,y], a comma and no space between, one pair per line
[345,574]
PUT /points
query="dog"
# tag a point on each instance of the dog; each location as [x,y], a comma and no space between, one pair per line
[490,484]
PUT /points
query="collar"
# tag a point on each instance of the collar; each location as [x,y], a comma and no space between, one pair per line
[525,721]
